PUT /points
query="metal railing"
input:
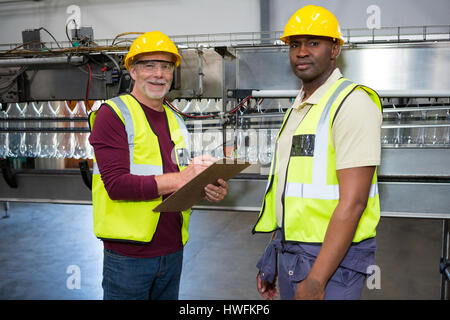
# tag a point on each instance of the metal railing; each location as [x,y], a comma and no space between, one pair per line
[398,34]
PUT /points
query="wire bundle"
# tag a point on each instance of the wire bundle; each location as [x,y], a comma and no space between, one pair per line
[207,115]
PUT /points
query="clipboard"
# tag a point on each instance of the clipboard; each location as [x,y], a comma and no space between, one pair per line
[193,191]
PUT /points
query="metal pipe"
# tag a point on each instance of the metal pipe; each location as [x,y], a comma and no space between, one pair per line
[262,115]
[274,93]
[432,125]
[382,93]
[36,61]
[414,109]
[414,93]
[200,72]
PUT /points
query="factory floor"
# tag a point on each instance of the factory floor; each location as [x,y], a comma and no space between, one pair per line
[44,247]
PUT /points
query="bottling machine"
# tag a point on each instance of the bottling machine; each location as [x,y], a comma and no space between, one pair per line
[232,90]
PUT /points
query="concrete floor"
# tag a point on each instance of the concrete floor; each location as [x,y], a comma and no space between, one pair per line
[42,244]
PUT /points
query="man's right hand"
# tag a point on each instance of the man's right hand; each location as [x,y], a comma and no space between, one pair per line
[171,182]
[197,165]
[266,289]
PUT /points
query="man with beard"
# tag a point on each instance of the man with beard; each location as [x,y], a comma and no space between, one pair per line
[142,155]
[322,197]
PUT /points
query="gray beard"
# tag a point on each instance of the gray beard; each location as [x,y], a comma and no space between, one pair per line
[153,96]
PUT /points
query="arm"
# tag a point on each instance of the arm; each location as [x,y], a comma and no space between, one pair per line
[354,187]
[267,290]
[110,144]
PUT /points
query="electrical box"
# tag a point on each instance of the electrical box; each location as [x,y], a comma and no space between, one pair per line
[31,38]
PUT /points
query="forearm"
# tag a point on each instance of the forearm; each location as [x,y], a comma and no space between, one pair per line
[120,183]
[168,183]
[130,187]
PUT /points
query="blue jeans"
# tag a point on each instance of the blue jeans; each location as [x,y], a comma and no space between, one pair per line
[126,278]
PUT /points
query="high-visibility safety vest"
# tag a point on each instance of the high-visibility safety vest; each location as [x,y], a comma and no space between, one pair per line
[311,191]
[135,220]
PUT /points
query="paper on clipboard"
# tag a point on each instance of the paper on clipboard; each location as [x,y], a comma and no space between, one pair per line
[193,191]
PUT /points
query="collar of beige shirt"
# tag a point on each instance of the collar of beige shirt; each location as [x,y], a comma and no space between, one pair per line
[318,94]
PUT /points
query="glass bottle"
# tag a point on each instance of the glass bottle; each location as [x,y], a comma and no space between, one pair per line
[436,135]
[17,147]
[65,140]
[81,142]
[49,140]
[33,139]
[241,150]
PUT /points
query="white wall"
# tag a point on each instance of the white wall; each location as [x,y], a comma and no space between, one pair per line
[353,13]
[180,17]
[111,17]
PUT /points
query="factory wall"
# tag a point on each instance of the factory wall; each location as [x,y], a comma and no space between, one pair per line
[180,17]
[369,13]
[111,17]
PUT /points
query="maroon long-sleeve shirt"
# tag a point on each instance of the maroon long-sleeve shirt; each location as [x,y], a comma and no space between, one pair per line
[109,140]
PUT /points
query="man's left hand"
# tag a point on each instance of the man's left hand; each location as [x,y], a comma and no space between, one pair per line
[216,193]
[309,289]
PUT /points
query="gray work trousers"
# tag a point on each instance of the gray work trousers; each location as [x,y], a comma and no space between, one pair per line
[291,262]
[345,284]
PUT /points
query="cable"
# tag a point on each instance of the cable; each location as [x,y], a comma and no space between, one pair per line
[67,33]
[57,43]
[240,104]
[114,62]
[124,40]
[88,88]
[184,114]
[208,115]
[124,34]
[13,50]
[92,75]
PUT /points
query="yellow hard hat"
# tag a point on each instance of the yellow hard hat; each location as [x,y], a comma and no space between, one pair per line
[313,20]
[153,41]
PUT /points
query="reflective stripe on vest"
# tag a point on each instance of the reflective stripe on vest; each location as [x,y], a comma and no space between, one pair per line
[137,169]
[324,192]
[184,130]
[129,126]
[319,175]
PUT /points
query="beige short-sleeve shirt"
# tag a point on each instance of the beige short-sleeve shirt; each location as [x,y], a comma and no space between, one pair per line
[355,133]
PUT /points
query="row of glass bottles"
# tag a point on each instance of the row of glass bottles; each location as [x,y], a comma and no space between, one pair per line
[253,145]
[256,145]
[206,106]
[198,105]
[37,135]
[402,126]
[426,126]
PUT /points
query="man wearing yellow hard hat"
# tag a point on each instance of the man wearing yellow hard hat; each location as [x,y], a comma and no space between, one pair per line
[322,201]
[142,155]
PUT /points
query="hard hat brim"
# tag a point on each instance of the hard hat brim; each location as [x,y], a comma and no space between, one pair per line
[286,38]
